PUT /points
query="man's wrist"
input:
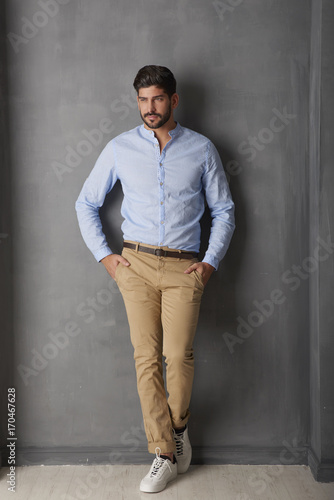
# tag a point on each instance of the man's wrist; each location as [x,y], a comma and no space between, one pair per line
[213,261]
[209,265]
[102,253]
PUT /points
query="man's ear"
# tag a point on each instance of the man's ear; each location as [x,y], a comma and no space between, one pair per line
[175,100]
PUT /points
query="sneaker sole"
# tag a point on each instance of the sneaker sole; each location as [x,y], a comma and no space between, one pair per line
[157,489]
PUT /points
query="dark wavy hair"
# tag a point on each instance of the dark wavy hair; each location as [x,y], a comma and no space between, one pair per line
[160,76]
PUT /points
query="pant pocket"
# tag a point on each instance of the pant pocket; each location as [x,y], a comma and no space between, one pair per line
[199,277]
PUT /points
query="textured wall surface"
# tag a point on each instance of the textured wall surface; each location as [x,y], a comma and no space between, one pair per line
[243,77]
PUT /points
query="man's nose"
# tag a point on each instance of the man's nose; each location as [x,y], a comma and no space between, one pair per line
[151,107]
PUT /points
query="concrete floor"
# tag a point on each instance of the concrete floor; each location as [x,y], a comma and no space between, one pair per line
[201,482]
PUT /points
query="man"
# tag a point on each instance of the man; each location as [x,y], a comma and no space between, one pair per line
[165,170]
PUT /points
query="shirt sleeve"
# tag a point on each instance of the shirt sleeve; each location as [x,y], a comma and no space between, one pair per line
[221,207]
[91,198]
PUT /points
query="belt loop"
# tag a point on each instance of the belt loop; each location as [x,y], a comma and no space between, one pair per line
[137,246]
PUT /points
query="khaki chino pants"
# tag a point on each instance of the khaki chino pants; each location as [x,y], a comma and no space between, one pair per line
[162,305]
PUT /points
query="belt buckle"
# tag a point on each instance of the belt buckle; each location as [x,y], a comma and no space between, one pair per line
[159,252]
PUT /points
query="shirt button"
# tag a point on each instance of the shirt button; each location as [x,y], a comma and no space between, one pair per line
[160,164]
[162,222]
[161,202]
[161,183]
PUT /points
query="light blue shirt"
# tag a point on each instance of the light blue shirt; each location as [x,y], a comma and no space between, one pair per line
[164,194]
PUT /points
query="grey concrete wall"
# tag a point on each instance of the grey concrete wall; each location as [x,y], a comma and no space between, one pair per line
[243,78]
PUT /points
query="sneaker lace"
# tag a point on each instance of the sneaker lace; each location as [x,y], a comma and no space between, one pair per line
[158,465]
[179,441]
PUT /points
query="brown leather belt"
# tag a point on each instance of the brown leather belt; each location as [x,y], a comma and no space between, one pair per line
[159,252]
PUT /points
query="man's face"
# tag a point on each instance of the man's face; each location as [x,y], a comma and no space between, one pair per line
[155,106]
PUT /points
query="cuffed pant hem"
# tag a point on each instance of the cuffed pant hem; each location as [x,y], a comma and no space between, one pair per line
[164,446]
[181,423]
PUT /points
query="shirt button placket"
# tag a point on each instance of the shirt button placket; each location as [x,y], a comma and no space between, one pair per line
[161,178]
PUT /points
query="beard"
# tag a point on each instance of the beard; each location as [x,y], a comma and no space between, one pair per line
[162,118]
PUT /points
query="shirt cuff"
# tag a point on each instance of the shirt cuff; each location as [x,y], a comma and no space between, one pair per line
[103,252]
[210,259]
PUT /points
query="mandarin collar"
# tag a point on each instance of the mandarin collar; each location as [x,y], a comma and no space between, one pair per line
[150,133]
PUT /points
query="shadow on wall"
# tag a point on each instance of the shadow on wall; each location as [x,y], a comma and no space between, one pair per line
[7,385]
[193,103]
[219,300]
[111,218]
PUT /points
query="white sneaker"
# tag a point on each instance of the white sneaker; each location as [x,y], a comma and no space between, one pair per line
[183,450]
[161,472]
